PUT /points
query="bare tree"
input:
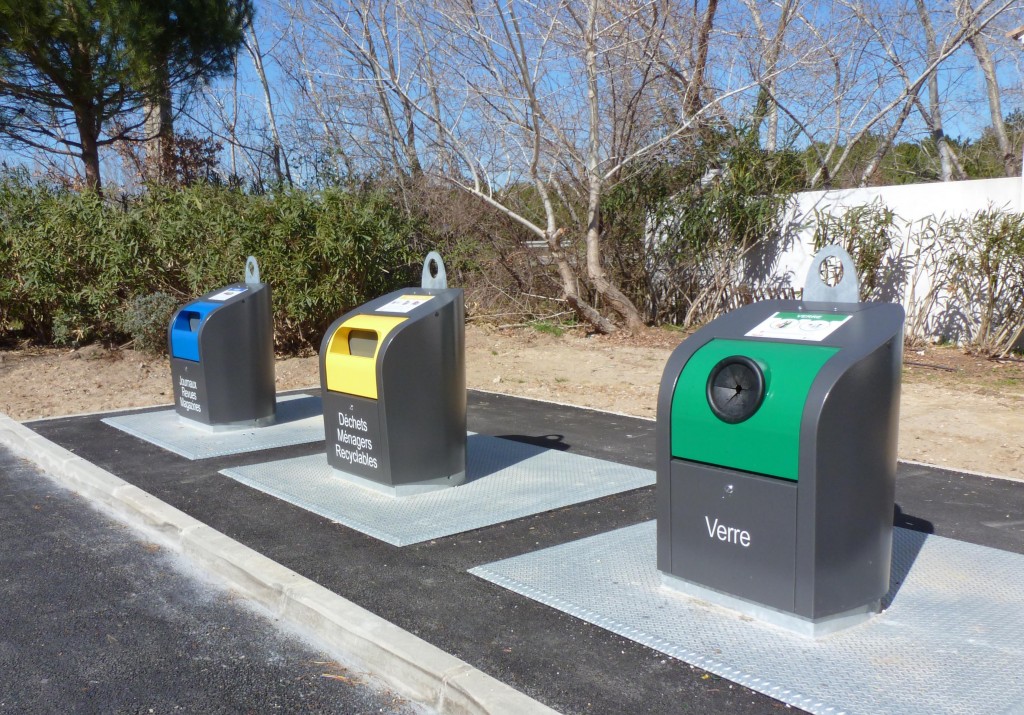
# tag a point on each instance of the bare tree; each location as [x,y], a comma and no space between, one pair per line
[973,30]
[770,49]
[886,104]
[279,155]
[533,110]
[695,87]
[948,160]
[347,62]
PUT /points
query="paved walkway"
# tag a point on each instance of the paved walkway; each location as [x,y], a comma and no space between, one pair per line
[95,620]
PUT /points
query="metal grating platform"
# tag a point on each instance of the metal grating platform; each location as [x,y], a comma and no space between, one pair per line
[951,639]
[299,420]
[504,480]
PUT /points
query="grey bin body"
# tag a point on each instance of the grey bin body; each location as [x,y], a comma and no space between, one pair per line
[395,404]
[815,543]
[222,356]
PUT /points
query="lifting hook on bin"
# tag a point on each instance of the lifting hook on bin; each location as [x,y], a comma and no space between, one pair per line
[846,290]
[436,277]
[252,270]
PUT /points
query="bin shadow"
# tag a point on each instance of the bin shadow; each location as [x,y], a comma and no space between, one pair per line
[545,441]
[487,455]
[908,540]
[299,408]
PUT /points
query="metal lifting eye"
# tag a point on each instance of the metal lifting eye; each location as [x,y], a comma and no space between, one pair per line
[735,389]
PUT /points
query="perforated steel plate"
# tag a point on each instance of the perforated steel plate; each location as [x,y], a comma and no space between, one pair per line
[504,480]
[299,420]
[950,640]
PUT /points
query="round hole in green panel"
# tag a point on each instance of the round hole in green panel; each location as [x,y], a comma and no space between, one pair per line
[735,389]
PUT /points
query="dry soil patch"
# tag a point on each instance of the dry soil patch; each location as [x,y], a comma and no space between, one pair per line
[957,410]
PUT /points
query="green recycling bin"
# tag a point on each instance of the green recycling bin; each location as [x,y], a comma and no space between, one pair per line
[393,379]
[776,460]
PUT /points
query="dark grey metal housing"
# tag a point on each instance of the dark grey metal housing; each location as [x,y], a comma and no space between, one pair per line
[413,433]
[817,546]
[222,356]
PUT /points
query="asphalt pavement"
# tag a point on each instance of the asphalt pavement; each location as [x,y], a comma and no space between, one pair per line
[567,664]
[96,620]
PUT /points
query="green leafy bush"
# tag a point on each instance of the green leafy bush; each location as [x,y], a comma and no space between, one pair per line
[986,285]
[961,278]
[145,318]
[67,268]
[711,245]
[71,263]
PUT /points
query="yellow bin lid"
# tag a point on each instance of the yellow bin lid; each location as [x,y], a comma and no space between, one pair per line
[351,362]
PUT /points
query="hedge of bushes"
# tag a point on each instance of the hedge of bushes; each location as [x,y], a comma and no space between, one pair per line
[75,267]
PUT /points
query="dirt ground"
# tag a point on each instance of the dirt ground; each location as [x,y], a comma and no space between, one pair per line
[957,410]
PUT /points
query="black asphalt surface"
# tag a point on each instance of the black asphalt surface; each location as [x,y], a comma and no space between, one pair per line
[566,663]
[94,620]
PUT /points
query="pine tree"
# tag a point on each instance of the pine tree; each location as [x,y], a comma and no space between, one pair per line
[74,74]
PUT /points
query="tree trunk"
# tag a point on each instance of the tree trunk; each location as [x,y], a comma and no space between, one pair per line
[584,311]
[693,98]
[950,166]
[766,106]
[967,16]
[282,170]
[617,301]
[886,144]
[88,134]
[159,130]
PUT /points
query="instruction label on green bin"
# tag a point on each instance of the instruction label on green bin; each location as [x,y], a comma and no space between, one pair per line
[813,327]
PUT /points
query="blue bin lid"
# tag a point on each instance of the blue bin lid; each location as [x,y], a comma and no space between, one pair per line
[185,329]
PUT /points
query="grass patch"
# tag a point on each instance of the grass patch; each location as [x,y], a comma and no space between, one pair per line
[547,327]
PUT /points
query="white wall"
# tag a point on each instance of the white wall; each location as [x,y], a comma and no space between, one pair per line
[910,203]
[778,269]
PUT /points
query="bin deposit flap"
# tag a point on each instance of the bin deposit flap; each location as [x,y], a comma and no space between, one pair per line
[351,361]
[185,329]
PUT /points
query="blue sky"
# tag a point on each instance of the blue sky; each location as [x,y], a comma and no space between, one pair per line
[966,116]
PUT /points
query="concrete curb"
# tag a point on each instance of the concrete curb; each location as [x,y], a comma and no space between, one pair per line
[406,663]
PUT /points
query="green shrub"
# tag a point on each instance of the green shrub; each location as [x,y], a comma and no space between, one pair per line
[145,319]
[986,283]
[67,266]
[711,245]
[961,278]
[71,263]
[547,327]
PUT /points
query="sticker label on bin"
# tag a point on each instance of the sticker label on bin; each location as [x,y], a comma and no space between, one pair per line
[404,304]
[813,327]
[189,395]
[227,293]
